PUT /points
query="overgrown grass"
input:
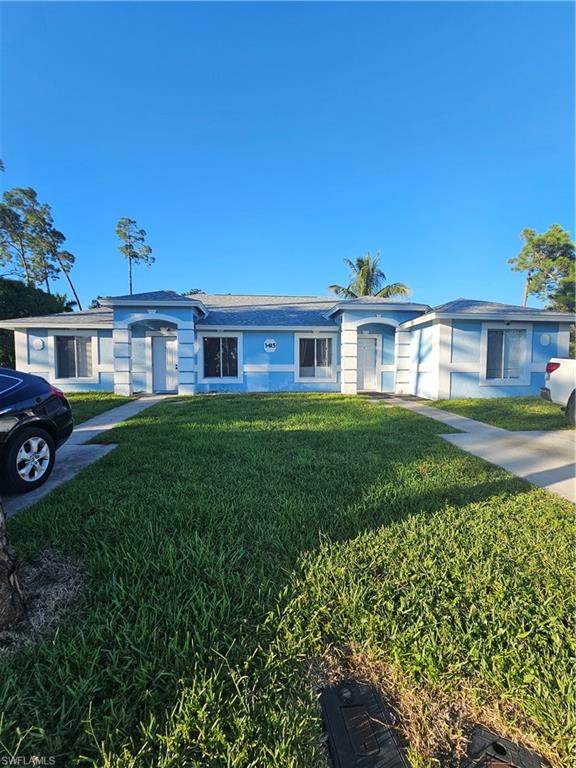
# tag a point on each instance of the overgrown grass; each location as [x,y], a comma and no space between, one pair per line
[514,413]
[230,542]
[86,405]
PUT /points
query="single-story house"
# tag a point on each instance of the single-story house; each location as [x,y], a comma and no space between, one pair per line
[166,342]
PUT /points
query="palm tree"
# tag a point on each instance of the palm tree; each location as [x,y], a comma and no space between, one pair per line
[367,280]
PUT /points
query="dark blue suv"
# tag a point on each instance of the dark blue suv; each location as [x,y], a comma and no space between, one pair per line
[35,419]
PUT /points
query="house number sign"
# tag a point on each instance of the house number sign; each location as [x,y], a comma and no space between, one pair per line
[270,345]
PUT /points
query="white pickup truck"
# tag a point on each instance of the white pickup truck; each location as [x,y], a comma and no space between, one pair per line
[560,384]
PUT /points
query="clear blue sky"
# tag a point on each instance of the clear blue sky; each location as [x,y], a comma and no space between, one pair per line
[261,144]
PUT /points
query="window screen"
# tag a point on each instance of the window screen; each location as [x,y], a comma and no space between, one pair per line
[73,357]
[505,353]
[316,358]
[220,357]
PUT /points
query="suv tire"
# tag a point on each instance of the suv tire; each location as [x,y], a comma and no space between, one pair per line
[28,460]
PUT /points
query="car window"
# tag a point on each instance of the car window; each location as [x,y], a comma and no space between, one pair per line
[8,383]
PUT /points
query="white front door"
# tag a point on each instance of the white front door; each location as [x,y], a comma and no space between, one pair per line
[367,353]
[164,364]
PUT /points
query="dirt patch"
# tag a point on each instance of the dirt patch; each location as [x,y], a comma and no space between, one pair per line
[436,723]
[49,582]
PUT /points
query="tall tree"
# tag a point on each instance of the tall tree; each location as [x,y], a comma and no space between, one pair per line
[30,246]
[133,245]
[367,280]
[549,263]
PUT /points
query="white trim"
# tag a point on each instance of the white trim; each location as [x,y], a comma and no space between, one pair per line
[543,316]
[11,325]
[149,316]
[442,349]
[268,368]
[220,379]
[314,379]
[106,301]
[51,348]
[385,306]
[469,367]
[563,342]
[475,367]
[21,349]
[524,380]
[221,329]
[350,324]
[149,362]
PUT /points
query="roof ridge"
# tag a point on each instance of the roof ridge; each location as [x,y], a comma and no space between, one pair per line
[269,295]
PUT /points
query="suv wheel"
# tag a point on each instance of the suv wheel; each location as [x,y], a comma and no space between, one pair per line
[29,460]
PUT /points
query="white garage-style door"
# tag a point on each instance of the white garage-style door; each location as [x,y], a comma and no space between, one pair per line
[368,363]
[164,364]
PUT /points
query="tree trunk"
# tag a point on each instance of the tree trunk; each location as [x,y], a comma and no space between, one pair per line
[526,286]
[24,263]
[71,284]
[525,293]
[12,608]
[130,274]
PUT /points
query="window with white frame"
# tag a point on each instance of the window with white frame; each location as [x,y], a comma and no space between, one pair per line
[315,357]
[220,354]
[73,357]
[506,354]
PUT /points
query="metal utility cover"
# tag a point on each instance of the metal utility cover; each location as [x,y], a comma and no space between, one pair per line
[486,750]
[360,728]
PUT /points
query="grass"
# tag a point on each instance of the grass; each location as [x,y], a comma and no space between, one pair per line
[514,413]
[86,405]
[235,544]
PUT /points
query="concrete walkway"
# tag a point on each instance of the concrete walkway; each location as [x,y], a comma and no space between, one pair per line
[74,455]
[110,419]
[543,458]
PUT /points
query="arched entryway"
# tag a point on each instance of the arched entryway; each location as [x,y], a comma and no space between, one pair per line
[155,356]
[368,355]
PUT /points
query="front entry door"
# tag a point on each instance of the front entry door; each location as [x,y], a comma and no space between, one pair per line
[164,364]
[367,376]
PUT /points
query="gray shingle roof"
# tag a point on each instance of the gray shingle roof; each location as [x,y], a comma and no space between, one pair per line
[89,318]
[223,309]
[474,307]
[373,300]
[249,310]
[152,296]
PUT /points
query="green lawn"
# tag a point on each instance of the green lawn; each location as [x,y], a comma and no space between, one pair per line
[86,405]
[234,543]
[515,413]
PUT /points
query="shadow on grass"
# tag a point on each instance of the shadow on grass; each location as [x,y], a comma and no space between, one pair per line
[189,532]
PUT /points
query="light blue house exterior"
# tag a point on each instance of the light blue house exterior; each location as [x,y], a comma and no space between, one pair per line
[166,342]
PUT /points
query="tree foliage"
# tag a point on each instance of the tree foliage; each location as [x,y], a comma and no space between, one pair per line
[133,245]
[368,280]
[548,260]
[20,300]
[31,248]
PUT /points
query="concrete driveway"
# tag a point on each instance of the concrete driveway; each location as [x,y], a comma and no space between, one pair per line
[75,455]
[546,459]
[543,458]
